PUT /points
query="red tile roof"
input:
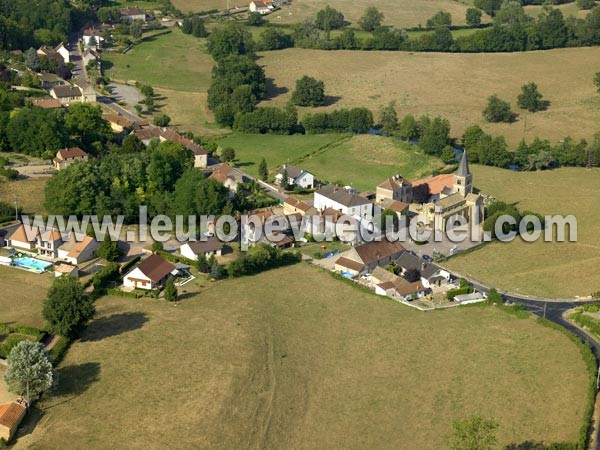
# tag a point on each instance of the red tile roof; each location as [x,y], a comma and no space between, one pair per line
[155,267]
[11,414]
[73,152]
[437,183]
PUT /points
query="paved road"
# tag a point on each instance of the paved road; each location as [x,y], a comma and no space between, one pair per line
[119,109]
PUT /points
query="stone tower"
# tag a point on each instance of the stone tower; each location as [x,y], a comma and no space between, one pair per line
[463,180]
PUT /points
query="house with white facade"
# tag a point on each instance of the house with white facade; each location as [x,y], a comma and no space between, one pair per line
[431,274]
[261,7]
[77,249]
[295,177]
[151,273]
[92,39]
[344,200]
[211,246]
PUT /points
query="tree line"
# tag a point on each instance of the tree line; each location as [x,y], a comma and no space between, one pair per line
[512,30]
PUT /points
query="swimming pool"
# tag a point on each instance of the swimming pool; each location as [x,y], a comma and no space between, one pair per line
[31,264]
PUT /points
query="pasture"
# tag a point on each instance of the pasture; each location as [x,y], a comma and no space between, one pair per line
[399,13]
[364,161]
[276,149]
[554,270]
[29,193]
[452,85]
[251,363]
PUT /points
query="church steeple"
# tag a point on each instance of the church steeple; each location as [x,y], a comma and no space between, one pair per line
[463,180]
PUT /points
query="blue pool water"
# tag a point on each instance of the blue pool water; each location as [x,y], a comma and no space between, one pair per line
[31,263]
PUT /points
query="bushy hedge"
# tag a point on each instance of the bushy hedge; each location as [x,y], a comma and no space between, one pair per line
[458,291]
[263,257]
[10,342]
[57,352]
[110,272]
[120,293]
[129,264]
[176,259]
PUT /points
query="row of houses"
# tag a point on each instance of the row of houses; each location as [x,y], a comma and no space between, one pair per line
[51,244]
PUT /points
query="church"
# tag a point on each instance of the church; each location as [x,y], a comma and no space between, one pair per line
[448,196]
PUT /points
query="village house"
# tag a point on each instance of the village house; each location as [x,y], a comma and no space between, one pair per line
[408,291]
[46,102]
[292,205]
[296,177]
[47,243]
[151,273]
[394,188]
[131,14]
[77,249]
[118,123]
[261,7]
[430,274]
[90,55]
[344,200]
[229,177]
[366,257]
[88,92]
[49,80]
[19,239]
[92,39]
[60,53]
[11,416]
[67,94]
[64,158]
[147,134]
[194,249]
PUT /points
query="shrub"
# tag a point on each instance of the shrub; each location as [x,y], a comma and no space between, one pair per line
[129,264]
[110,272]
[10,342]
[58,351]
[458,291]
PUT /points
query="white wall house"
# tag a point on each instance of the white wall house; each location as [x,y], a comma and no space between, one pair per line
[344,201]
[151,273]
[211,246]
[296,177]
[64,52]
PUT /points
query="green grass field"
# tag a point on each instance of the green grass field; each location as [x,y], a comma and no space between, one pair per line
[295,359]
[365,161]
[172,61]
[276,149]
[555,270]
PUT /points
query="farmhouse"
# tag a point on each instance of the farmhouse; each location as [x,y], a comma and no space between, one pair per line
[149,274]
[296,177]
[192,250]
[262,7]
[131,14]
[11,415]
[344,200]
[64,158]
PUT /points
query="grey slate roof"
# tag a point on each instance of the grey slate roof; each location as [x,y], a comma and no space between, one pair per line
[463,167]
[342,196]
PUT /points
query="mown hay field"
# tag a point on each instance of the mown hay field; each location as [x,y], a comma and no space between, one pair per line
[296,359]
